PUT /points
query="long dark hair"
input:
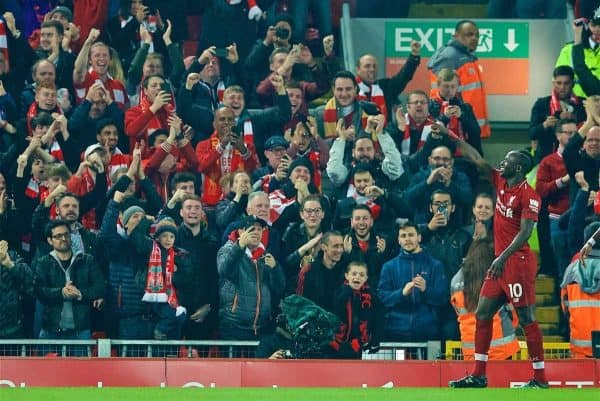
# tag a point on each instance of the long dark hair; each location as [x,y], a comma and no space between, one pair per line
[475,265]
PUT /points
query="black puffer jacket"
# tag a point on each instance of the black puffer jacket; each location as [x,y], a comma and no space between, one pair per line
[50,278]
[246,289]
[14,283]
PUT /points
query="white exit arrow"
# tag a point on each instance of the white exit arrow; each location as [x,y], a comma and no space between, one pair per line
[511,45]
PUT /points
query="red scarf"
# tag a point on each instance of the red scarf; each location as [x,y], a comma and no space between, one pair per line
[345,330]
[364,200]
[259,251]
[35,189]
[279,202]
[423,128]
[159,280]
[372,93]
[4,45]
[33,111]
[555,102]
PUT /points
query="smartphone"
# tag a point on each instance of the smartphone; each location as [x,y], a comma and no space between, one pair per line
[165,87]
[221,52]
[443,209]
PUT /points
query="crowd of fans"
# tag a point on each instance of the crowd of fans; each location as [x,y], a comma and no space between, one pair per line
[144,195]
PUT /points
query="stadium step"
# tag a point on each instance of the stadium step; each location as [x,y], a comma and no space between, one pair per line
[545,285]
[545,300]
[548,314]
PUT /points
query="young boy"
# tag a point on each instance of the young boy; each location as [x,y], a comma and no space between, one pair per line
[360,312]
[161,279]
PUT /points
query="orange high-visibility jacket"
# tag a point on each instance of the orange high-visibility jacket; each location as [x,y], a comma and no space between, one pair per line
[504,342]
[457,57]
[581,301]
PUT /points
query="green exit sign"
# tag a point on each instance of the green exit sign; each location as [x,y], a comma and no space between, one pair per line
[496,39]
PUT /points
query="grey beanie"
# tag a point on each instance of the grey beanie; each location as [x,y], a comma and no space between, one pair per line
[129,212]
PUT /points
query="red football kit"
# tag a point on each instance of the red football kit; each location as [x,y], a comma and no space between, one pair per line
[517,282]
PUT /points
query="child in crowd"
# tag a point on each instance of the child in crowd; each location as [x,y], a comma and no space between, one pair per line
[161,279]
[359,310]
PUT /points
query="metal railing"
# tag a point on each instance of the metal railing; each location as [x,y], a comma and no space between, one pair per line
[107,348]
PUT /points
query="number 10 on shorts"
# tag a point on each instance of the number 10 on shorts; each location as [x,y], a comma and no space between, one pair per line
[516,291]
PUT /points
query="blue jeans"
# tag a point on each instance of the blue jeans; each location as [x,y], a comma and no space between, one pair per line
[560,246]
[321,11]
[72,350]
[168,323]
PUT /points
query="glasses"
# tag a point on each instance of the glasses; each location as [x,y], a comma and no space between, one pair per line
[312,211]
[438,204]
[64,236]
[418,102]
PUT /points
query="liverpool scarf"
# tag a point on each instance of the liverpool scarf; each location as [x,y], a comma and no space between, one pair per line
[555,103]
[372,93]
[279,202]
[330,118]
[424,128]
[159,280]
[364,200]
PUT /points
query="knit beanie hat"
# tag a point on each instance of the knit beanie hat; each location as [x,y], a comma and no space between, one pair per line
[165,228]
[129,212]
[302,161]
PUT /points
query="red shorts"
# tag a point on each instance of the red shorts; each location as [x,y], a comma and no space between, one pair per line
[517,282]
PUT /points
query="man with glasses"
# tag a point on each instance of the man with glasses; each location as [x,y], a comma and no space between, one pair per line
[549,110]
[439,174]
[553,185]
[68,283]
[413,127]
[446,241]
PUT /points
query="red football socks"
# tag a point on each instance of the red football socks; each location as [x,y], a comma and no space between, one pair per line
[483,338]
[535,347]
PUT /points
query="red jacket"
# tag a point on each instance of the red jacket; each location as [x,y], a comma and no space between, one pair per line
[140,122]
[186,161]
[551,169]
[209,160]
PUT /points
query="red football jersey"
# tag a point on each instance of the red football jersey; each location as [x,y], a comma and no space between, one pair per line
[512,204]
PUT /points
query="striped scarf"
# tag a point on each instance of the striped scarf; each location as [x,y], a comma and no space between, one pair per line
[330,118]
[117,160]
[4,45]
[424,128]
[279,202]
[159,280]
[364,200]
[555,106]
[372,93]
[216,97]
[35,189]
